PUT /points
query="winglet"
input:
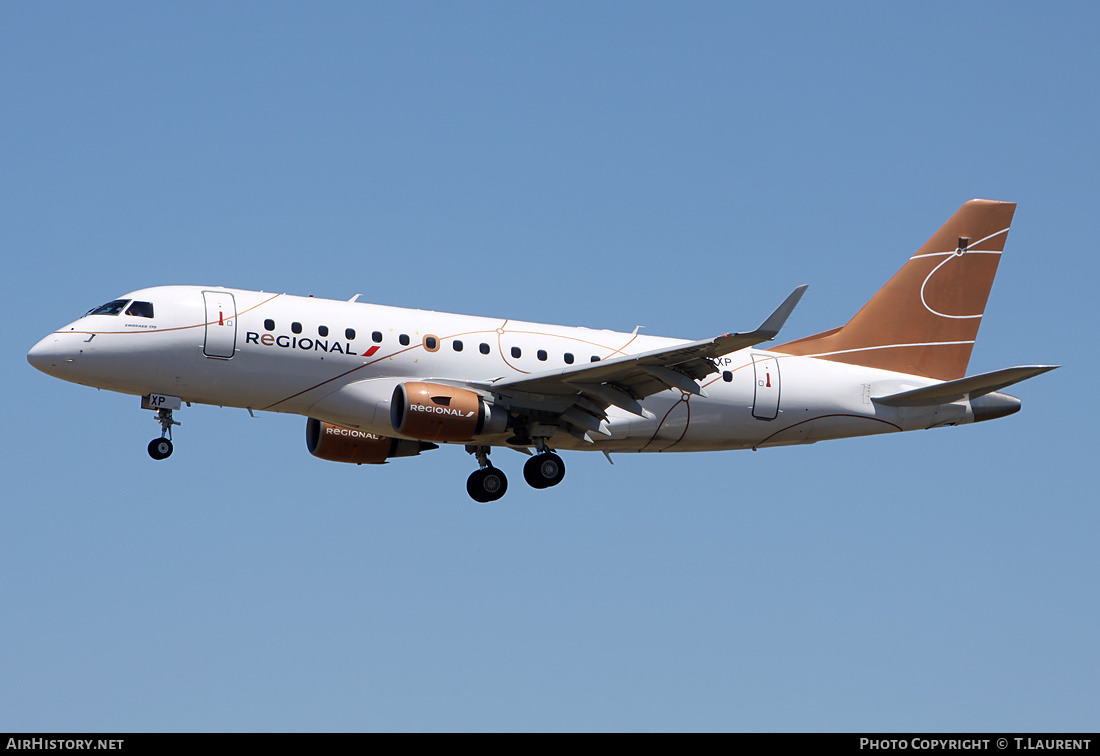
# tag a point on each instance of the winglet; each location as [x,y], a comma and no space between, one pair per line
[768,330]
[771,327]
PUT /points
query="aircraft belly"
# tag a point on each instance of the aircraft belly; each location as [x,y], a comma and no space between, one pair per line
[243,381]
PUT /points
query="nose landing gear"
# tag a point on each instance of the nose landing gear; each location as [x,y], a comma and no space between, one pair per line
[161,448]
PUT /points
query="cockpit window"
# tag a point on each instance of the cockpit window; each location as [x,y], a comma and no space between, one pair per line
[140,310]
[111,308]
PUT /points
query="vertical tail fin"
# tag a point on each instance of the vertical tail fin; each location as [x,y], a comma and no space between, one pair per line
[925,319]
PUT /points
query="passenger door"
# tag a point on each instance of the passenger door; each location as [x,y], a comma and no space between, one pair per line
[765,404]
[221,325]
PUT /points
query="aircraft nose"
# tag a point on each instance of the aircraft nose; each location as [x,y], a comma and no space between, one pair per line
[49,354]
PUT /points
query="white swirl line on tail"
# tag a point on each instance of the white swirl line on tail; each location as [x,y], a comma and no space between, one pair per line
[953,252]
[969,251]
[924,302]
[957,253]
[890,346]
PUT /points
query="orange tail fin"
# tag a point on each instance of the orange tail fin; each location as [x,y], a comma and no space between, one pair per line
[925,319]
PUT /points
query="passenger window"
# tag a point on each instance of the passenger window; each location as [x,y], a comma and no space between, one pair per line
[484,348]
[457,345]
[404,339]
[431,343]
[541,354]
[111,308]
[140,310]
[727,376]
[376,337]
[296,327]
[269,325]
[322,330]
[568,358]
[594,359]
[349,334]
[516,352]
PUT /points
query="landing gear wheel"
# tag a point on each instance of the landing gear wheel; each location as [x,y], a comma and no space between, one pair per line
[487,484]
[544,470]
[160,448]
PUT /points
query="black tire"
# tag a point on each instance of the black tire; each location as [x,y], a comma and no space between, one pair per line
[160,448]
[544,470]
[487,484]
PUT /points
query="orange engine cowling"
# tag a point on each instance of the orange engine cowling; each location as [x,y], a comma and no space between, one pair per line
[339,444]
[434,412]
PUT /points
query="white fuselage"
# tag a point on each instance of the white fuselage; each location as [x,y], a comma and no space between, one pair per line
[340,361]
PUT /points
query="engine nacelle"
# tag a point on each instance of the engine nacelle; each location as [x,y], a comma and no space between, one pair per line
[339,444]
[434,412]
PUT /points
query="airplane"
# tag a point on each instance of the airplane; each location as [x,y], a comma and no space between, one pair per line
[378,382]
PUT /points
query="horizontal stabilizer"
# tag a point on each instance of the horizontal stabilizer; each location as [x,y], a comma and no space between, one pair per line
[963,388]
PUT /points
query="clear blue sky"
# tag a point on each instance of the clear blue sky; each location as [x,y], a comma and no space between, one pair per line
[681,166]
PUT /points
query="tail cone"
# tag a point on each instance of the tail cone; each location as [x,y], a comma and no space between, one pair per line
[994,405]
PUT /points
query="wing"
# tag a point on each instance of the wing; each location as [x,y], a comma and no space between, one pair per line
[580,395]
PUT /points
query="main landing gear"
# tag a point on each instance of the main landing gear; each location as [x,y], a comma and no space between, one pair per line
[544,470]
[487,484]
